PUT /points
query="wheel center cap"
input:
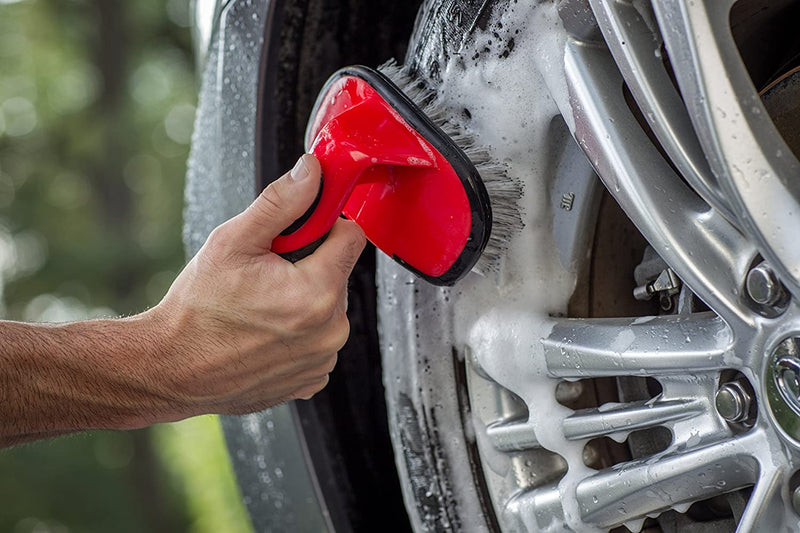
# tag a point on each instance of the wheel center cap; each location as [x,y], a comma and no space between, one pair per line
[787,379]
[782,387]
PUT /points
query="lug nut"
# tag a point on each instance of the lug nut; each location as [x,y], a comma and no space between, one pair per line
[762,285]
[733,402]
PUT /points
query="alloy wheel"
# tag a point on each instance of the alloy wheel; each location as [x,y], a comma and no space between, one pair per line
[684,415]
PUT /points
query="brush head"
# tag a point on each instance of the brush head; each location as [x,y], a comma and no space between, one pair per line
[504,191]
[414,181]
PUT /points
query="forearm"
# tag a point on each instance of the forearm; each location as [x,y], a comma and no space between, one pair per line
[57,379]
[241,329]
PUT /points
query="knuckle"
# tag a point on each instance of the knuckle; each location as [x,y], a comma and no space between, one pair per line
[308,392]
[322,309]
[315,314]
[300,321]
[307,318]
[321,384]
[220,237]
[270,202]
[353,248]
[335,336]
[299,307]
[329,364]
[329,302]
[357,238]
[341,333]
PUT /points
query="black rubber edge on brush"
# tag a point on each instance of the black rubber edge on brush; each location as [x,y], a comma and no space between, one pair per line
[297,224]
[301,253]
[465,170]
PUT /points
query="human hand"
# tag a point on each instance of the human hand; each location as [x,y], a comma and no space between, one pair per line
[247,329]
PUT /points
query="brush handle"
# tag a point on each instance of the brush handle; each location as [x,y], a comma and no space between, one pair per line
[349,147]
[308,232]
[304,251]
[393,171]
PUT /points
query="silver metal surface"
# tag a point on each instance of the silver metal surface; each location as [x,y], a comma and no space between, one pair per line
[762,285]
[787,379]
[674,220]
[620,419]
[733,402]
[204,16]
[667,283]
[781,387]
[639,54]
[718,189]
[754,166]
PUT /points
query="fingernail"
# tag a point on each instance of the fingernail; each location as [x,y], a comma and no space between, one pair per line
[300,170]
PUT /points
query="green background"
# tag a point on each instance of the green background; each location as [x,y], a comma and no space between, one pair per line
[96,111]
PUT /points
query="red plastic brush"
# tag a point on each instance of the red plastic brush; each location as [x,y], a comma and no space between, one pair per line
[415,191]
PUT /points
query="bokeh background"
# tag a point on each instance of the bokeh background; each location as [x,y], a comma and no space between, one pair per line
[97,102]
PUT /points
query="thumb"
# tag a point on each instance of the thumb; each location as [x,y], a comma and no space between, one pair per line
[279,205]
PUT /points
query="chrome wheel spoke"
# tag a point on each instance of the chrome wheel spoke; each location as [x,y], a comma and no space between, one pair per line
[656,346]
[651,485]
[683,394]
[637,51]
[621,419]
[765,510]
[708,253]
[754,165]
[512,436]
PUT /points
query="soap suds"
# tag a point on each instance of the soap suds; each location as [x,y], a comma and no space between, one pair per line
[502,82]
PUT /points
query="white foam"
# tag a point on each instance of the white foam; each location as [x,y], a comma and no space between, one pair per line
[511,108]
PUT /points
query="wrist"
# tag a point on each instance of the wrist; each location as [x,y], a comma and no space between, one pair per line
[158,366]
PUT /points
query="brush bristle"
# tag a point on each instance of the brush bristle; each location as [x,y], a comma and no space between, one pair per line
[504,191]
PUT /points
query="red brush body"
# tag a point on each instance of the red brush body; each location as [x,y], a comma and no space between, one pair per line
[389,168]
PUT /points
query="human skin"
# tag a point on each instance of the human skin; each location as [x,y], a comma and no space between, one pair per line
[240,329]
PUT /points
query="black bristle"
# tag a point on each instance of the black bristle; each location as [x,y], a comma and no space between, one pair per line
[503,190]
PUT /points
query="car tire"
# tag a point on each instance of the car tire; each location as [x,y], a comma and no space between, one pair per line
[481,380]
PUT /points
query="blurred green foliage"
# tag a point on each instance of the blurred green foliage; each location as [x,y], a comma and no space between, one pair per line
[96,111]
[96,105]
[194,454]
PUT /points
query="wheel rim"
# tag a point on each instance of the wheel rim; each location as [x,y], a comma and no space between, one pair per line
[709,227]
